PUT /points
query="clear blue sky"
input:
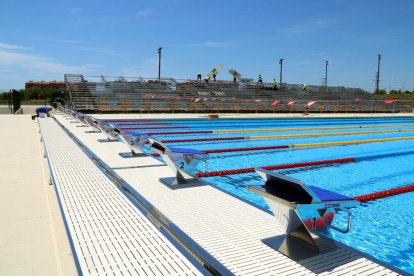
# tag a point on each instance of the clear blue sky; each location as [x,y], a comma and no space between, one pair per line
[43,40]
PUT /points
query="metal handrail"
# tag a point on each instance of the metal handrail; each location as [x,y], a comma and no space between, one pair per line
[348,227]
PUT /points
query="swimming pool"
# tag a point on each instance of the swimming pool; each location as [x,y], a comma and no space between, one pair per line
[383,228]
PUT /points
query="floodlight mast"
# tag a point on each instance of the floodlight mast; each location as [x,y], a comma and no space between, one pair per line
[378,74]
[159,64]
[326,75]
[281,70]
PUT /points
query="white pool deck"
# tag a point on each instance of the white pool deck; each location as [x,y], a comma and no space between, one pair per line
[225,230]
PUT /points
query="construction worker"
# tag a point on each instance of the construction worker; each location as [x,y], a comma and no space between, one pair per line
[44,109]
[214,71]
[274,85]
[198,76]
[260,80]
[207,78]
[304,86]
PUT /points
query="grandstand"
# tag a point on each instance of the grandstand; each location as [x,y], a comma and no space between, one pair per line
[120,94]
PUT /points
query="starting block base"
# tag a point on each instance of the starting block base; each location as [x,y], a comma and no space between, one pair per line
[82,126]
[291,247]
[106,141]
[93,131]
[173,182]
[131,155]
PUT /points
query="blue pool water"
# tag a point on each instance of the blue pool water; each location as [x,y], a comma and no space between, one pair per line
[383,229]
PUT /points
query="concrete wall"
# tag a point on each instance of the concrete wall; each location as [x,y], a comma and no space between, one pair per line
[27,109]
[4,110]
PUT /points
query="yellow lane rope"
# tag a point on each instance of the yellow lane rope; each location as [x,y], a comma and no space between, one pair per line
[304,128]
[326,144]
[328,134]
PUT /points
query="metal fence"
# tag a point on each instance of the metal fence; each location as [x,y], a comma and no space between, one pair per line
[191,106]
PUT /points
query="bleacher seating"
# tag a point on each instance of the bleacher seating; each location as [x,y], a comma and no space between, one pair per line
[139,95]
[79,91]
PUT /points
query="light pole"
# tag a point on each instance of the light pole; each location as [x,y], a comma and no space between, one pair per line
[159,63]
[378,74]
[281,70]
[326,75]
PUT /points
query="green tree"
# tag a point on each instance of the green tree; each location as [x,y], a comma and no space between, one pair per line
[381,92]
[37,93]
[395,91]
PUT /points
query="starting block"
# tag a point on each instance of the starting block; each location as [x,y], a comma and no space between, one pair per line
[92,123]
[65,112]
[81,117]
[109,132]
[71,114]
[136,142]
[305,212]
[183,162]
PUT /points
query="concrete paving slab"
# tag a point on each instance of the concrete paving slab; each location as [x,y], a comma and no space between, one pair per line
[33,239]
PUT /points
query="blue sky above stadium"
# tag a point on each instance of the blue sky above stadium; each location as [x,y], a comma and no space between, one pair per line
[43,40]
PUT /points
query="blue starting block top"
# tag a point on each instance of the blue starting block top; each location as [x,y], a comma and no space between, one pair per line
[135,132]
[188,151]
[325,195]
[294,190]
